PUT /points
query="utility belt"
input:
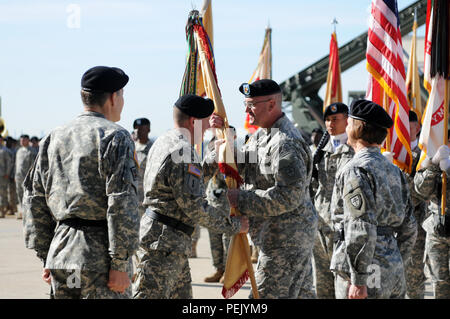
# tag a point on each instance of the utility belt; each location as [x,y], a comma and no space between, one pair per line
[77,223]
[172,222]
[381,231]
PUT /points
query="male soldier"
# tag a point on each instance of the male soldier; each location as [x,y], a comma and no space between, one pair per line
[218,241]
[143,144]
[24,159]
[174,195]
[5,169]
[275,195]
[414,266]
[81,196]
[34,145]
[372,213]
[316,135]
[12,195]
[428,184]
[336,153]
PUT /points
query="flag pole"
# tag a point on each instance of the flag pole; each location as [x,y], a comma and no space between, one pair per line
[444,174]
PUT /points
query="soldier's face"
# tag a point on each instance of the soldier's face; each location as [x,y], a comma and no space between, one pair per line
[336,123]
[258,109]
[414,128]
[117,106]
[24,141]
[350,140]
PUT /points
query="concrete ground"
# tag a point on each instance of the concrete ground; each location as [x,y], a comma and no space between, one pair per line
[20,269]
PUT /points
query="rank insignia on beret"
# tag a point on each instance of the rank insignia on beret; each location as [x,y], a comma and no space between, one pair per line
[194,170]
[246,88]
[356,201]
[333,108]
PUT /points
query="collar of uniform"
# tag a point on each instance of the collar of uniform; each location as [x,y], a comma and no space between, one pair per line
[181,134]
[278,123]
[370,149]
[92,113]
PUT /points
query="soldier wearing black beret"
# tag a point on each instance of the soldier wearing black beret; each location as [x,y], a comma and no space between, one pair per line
[371,212]
[275,194]
[81,212]
[175,201]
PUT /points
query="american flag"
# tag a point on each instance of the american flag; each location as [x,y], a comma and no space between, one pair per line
[387,77]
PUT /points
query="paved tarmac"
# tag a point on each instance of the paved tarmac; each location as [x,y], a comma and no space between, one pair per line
[20,269]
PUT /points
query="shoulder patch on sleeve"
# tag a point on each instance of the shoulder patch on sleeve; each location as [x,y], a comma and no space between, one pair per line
[356,201]
[194,170]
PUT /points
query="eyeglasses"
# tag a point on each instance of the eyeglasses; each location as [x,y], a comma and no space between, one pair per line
[252,105]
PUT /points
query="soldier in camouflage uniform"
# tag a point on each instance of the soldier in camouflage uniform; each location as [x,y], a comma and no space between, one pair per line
[141,127]
[336,154]
[414,266]
[276,166]
[5,169]
[175,201]
[12,194]
[80,201]
[372,213]
[428,184]
[24,159]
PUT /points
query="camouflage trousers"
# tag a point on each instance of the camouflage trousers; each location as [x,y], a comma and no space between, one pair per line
[324,278]
[414,268]
[163,275]
[3,193]
[12,196]
[19,191]
[386,278]
[437,251]
[219,247]
[196,234]
[285,273]
[76,284]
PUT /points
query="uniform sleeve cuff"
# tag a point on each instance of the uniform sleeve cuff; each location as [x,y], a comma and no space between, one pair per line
[119,265]
[358,279]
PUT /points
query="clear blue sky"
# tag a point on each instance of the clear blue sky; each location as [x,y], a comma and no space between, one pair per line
[42,59]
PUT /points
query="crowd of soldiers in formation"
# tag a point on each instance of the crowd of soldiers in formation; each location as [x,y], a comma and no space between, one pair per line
[335,219]
[16,158]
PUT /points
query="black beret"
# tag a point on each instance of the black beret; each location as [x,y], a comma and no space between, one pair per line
[335,108]
[260,88]
[141,121]
[195,106]
[371,113]
[413,116]
[34,138]
[25,136]
[103,79]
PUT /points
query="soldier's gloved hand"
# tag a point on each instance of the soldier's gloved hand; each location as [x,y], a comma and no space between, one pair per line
[444,165]
[118,281]
[217,144]
[244,224]
[443,152]
[215,121]
[389,156]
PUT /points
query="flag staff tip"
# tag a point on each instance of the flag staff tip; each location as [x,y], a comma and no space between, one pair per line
[334,24]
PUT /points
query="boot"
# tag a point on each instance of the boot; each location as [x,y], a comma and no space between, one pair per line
[193,250]
[254,254]
[215,277]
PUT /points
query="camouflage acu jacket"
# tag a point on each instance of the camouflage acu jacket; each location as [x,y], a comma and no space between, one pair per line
[85,169]
[370,192]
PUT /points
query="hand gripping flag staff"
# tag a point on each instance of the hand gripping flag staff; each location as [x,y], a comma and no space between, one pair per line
[387,77]
[239,267]
[436,74]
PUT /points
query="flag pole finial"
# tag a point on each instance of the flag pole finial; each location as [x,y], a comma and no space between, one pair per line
[334,24]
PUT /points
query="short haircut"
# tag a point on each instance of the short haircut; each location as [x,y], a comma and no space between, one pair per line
[367,132]
[93,99]
[179,117]
[25,136]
